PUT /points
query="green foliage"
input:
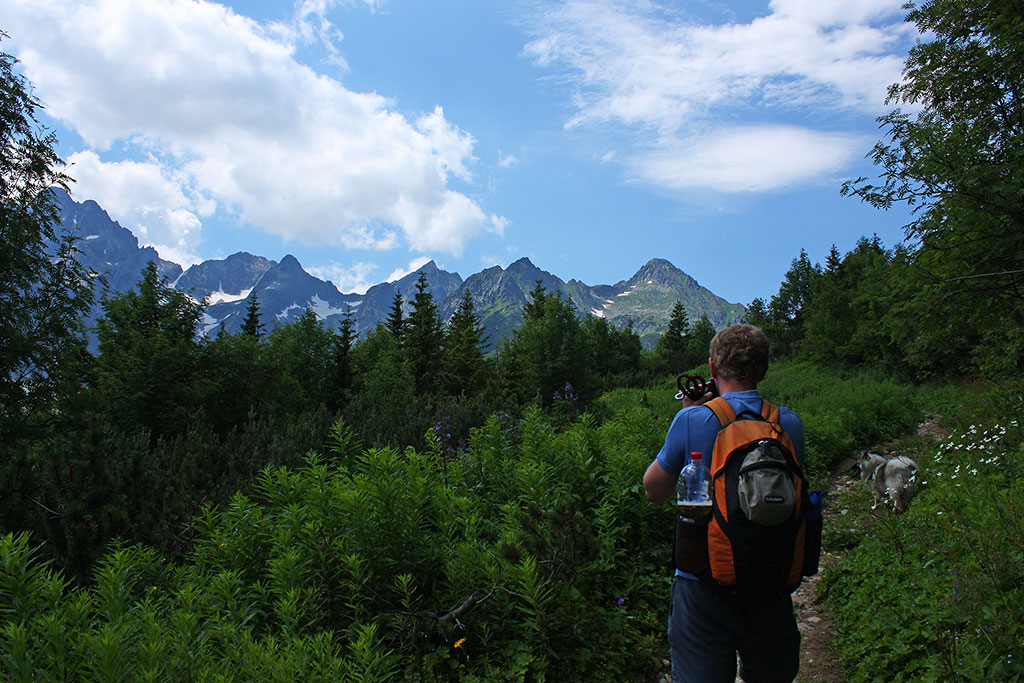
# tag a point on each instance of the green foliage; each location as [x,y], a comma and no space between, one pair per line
[395,322]
[464,369]
[44,290]
[301,354]
[936,593]
[544,356]
[673,345]
[384,409]
[557,359]
[842,413]
[251,325]
[959,160]
[613,353]
[700,341]
[341,377]
[530,555]
[146,373]
[958,164]
[421,336]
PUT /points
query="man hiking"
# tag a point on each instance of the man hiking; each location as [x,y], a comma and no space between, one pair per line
[710,623]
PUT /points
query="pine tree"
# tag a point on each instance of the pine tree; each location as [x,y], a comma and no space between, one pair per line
[534,308]
[464,364]
[757,313]
[302,354]
[422,339]
[395,321]
[700,341]
[252,326]
[787,309]
[833,261]
[149,353]
[548,355]
[672,346]
[341,379]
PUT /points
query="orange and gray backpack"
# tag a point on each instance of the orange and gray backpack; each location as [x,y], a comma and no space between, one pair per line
[757,542]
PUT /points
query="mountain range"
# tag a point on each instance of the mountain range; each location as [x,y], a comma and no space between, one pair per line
[285,290]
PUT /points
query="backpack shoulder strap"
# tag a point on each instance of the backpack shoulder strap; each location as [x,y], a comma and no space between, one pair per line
[769,412]
[722,410]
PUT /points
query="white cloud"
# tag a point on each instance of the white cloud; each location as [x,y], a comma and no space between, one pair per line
[507,161]
[683,86]
[222,104]
[354,279]
[751,159]
[144,199]
[414,265]
[499,224]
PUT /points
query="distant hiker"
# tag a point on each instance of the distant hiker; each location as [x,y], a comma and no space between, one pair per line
[708,623]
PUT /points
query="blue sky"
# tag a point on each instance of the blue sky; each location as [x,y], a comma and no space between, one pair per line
[368,136]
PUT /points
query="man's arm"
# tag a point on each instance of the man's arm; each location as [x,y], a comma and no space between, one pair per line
[658,483]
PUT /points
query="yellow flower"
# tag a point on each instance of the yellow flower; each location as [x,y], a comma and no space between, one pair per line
[460,642]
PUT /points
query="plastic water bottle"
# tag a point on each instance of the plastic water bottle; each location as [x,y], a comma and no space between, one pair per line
[693,491]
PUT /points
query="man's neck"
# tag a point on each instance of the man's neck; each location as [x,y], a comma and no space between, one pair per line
[726,386]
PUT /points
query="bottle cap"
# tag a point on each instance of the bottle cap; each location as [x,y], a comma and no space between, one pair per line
[696,455]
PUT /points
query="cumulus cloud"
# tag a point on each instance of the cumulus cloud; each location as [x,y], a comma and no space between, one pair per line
[143,196]
[353,279]
[681,85]
[414,265]
[222,107]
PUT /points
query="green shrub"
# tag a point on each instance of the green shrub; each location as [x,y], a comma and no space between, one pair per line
[530,555]
[842,412]
[937,593]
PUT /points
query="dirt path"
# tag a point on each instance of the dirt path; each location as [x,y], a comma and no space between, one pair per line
[819,662]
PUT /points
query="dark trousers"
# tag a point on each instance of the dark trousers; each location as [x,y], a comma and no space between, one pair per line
[707,627]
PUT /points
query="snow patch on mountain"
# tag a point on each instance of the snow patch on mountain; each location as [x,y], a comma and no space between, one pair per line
[209,323]
[284,314]
[323,308]
[221,296]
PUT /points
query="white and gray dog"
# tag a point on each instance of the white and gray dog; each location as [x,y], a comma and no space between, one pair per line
[893,479]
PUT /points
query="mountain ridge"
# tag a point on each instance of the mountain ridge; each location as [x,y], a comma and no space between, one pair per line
[285,290]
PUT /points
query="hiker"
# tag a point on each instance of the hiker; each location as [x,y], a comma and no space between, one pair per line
[709,624]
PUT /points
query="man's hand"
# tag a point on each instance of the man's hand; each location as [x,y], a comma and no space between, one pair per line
[687,401]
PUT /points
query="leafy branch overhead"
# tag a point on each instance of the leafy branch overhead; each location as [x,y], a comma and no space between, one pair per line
[957,156]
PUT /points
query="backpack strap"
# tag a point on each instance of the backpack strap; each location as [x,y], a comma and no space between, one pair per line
[722,410]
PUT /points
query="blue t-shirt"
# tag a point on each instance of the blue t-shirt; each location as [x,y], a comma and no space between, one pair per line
[696,428]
